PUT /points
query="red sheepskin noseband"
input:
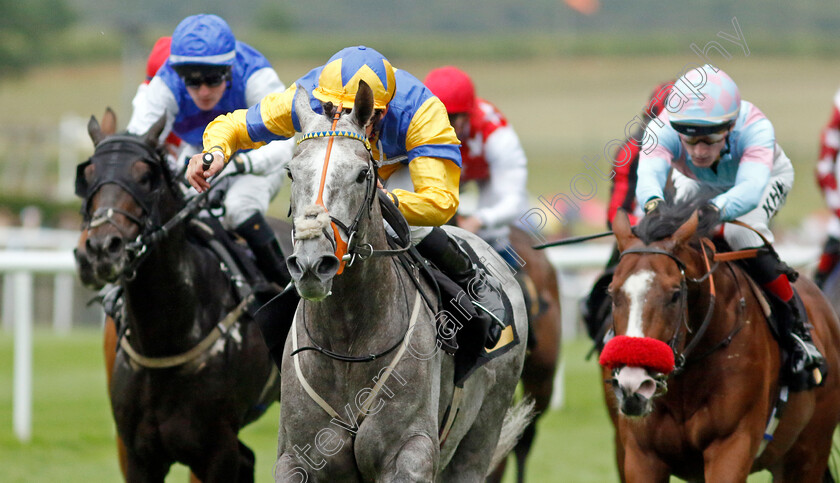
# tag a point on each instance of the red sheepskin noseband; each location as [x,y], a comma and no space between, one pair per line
[645,352]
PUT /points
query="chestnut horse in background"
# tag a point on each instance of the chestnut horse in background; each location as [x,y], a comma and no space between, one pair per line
[695,367]
[543,355]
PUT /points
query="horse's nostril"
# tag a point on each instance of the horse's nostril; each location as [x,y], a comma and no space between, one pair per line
[115,245]
[327,266]
[294,267]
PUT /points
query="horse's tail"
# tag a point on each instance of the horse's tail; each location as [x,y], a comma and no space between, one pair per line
[517,418]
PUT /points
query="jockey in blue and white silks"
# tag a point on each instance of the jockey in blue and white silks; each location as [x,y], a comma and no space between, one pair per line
[210,73]
[411,134]
[724,147]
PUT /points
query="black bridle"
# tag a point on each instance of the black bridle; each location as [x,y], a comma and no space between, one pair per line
[681,358]
[112,160]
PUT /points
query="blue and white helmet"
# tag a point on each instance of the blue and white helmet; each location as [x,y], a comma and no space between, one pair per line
[203,39]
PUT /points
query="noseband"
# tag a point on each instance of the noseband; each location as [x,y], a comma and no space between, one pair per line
[681,358]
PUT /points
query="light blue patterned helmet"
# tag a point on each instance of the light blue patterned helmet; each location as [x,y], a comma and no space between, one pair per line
[713,104]
[203,39]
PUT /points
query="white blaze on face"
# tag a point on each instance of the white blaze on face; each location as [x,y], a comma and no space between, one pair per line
[636,288]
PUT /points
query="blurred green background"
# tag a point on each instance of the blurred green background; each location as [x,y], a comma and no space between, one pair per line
[568,82]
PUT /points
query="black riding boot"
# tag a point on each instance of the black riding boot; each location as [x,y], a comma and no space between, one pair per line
[806,363]
[482,288]
[260,238]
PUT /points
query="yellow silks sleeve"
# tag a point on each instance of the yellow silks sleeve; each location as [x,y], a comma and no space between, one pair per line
[435,197]
[430,125]
[230,131]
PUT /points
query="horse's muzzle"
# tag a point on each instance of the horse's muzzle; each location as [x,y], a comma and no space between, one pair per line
[84,268]
[634,389]
[106,256]
[312,271]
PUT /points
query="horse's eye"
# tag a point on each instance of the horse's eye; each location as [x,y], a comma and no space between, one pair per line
[675,296]
[146,179]
[362,175]
[289,174]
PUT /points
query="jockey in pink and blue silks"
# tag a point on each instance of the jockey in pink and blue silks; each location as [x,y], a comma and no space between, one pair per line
[209,73]
[724,147]
[410,132]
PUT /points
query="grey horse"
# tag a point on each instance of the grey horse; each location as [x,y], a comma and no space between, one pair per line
[379,418]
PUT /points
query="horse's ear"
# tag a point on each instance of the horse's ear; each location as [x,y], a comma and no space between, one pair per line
[95,131]
[152,136]
[687,230]
[363,104]
[304,111]
[623,232]
[109,122]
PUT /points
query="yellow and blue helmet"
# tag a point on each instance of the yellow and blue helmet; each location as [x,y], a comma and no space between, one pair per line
[340,76]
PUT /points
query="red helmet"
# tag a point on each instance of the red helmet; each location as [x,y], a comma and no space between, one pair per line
[453,87]
[159,54]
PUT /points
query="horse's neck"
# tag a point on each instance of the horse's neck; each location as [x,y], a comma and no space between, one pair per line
[162,301]
[367,302]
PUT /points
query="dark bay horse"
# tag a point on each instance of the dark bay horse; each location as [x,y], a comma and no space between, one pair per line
[705,419]
[543,353]
[365,388]
[192,368]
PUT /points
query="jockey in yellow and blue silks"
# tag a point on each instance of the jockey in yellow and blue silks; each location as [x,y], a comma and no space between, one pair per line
[411,134]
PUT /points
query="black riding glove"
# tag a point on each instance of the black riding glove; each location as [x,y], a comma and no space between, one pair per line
[652,204]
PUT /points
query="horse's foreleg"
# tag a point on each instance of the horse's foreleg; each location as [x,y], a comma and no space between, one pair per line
[415,461]
[289,469]
[730,459]
[644,467]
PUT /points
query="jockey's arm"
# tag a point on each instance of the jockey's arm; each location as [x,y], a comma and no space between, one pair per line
[433,148]
[508,178]
[268,120]
[435,197]
[750,181]
[754,167]
[150,103]
[655,163]
[276,153]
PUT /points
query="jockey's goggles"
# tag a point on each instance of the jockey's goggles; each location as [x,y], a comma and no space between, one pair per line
[693,134]
[211,77]
[707,139]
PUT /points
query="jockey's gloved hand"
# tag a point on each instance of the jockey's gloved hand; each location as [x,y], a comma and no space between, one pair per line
[709,214]
[652,204]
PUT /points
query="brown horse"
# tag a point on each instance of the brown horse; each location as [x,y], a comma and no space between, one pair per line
[674,308]
[543,356]
[186,377]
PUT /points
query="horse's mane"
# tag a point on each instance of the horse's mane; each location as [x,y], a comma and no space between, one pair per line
[669,216]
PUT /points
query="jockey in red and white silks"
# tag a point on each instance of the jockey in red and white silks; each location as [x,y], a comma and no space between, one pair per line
[828,172]
[491,156]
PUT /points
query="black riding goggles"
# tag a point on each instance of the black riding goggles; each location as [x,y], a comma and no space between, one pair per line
[195,76]
[695,130]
